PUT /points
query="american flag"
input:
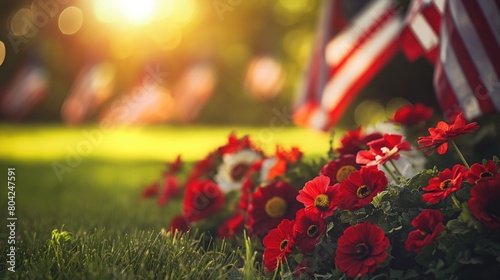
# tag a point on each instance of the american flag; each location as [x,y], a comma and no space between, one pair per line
[462,38]
[352,58]
[467,70]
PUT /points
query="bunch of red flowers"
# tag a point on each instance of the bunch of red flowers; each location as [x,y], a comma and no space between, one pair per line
[354,214]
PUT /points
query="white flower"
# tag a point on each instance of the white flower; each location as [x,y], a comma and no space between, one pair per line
[231,173]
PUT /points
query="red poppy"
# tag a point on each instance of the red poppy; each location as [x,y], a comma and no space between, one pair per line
[270,204]
[179,223]
[303,270]
[383,150]
[339,169]
[353,141]
[428,224]
[479,172]
[443,132]
[279,244]
[317,197]
[410,115]
[309,228]
[361,249]
[151,190]
[202,199]
[231,226]
[171,189]
[447,182]
[485,203]
[360,188]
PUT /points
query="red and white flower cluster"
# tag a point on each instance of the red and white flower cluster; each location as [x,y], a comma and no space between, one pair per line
[237,187]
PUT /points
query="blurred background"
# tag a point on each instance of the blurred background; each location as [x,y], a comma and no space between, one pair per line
[174,61]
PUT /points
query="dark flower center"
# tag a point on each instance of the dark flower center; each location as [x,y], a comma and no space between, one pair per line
[283,245]
[313,231]
[363,191]
[276,207]
[485,174]
[445,184]
[362,251]
[322,202]
[239,170]
[343,172]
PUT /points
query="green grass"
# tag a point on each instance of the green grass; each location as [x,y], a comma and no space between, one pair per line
[112,232]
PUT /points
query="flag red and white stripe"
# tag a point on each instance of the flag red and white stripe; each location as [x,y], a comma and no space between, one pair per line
[466,77]
[421,34]
[353,57]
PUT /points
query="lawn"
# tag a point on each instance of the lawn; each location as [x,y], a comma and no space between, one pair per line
[89,221]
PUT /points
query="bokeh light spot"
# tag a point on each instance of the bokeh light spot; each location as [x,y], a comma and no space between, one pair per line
[21,22]
[394,104]
[2,52]
[70,20]
[138,12]
[369,112]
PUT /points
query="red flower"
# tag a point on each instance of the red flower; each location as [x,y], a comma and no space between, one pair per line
[361,249]
[309,228]
[151,190]
[428,224]
[383,150]
[410,115]
[203,167]
[479,172]
[447,182]
[439,136]
[279,244]
[485,203]
[283,158]
[270,204]
[179,223]
[171,189]
[317,197]
[231,226]
[202,199]
[360,188]
[174,167]
[338,170]
[234,144]
[354,142]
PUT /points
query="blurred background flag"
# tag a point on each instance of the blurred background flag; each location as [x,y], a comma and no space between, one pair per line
[193,90]
[466,77]
[25,90]
[92,86]
[420,37]
[353,56]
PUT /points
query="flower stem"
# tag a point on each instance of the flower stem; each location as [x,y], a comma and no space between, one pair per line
[460,154]
[455,201]
[396,168]
[390,173]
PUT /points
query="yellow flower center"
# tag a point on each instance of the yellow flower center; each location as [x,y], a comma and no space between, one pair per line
[276,207]
[362,251]
[322,202]
[343,172]
[445,184]
[363,191]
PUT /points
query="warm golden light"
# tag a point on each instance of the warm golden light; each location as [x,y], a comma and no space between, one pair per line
[137,12]
[369,112]
[2,52]
[70,20]
[21,22]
